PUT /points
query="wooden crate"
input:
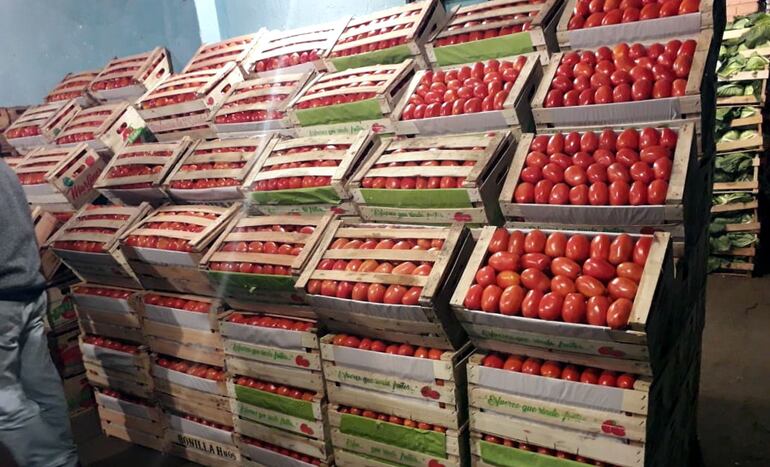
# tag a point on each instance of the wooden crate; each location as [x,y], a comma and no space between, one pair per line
[258,106]
[434,388]
[348,152]
[38,126]
[107,127]
[121,427]
[371,442]
[131,76]
[62,177]
[630,350]
[473,201]
[45,225]
[754,143]
[283,450]
[589,408]
[130,413]
[324,100]
[201,443]
[748,185]
[121,371]
[73,86]
[219,55]
[731,208]
[428,323]
[181,105]
[260,291]
[671,212]
[737,33]
[297,50]
[534,30]
[388,36]
[183,333]
[664,109]
[184,393]
[174,270]
[136,173]
[214,171]
[515,113]
[94,256]
[109,311]
[288,356]
[677,25]
[300,417]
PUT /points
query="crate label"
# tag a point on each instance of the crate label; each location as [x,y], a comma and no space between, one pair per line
[437,199]
[391,55]
[413,439]
[382,127]
[278,420]
[538,341]
[285,405]
[264,354]
[296,196]
[495,47]
[208,447]
[549,413]
[367,109]
[417,214]
[302,209]
[504,456]
[383,383]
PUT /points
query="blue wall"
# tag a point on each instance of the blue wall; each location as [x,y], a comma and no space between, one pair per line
[44,39]
[238,17]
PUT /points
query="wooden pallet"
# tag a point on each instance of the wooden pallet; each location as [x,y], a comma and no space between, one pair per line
[123,189]
[68,176]
[104,128]
[685,106]
[131,76]
[38,126]
[426,323]
[412,26]
[673,211]
[347,151]
[677,25]
[619,350]
[516,110]
[183,183]
[257,292]
[74,86]
[108,266]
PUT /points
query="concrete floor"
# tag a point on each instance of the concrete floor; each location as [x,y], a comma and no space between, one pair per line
[734,412]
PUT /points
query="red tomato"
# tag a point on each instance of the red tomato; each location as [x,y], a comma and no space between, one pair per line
[662,88]
[661,169]
[637,194]
[536,159]
[669,8]
[486,275]
[553,172]
[490,298]
[394,294]
[572,143]
[596,172]
[574,308]
[589,141]
[563,266]
[607,378]
[656,192]
[639,72]
[600,79]
[535,260]
[599,268]
[627,157]
[556,244]
[617,171]
[531,366]
[630,15]
[612,17]
[652,153]
[555,144]
[511,300]
[516,242]
[560,159]
[559,194]
[473,297]
[682,66]
[622,93]
[679,88]
[600,246]
[586,97]
[570,373]
[630,270]
[535,279]
[594,20]
[543,191]
[618,313]
[641,250]
[607,140]
[596,310]
[534,242]
[589,286]
[626,381]
[619,193]
[576,22]
[539,143]
[689,6]
[641,90]
[499,241]
[577,248]
[668,138]
[620,249]
[650,11]
[554,98]
[598,194]
[504,261]
[531,303]
[550,306]
[582,159]
[562,285]
[621,77]
[524,193]
[603,94]
[641,172]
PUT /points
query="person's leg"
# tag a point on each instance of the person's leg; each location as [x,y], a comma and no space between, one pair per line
[23,431]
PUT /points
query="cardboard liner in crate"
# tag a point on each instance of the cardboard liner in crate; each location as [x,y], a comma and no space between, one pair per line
[389,83]
[118,189]
[663,109]
[646,29]
[391,442]
[540,36]
[425,379]
[599,447]
[231,116]
[427,323]
[255,456]
[68,176]
[412,25]
[233,51]
[621,413]
[127,78]
[109,267]
[672,212]
[347,159]
[630,350]
[38,126]
[473,202]
[316,448]
[258,292]
[104,128]
[516,110]
[281,52]
[239,151]
[74,86]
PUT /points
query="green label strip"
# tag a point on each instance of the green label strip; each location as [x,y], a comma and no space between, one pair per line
[368,109]
[440,198]
[495,47]
[412,439]
[274,402]
[503,456]
[316,195]
[238,284]
[387,56]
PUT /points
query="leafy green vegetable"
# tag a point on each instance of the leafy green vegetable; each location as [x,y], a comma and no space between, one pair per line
[755,62]
[727,198]
[729,136]
[730,90]
[735,163]
[732,240]
[747,134]
[759,32]
[746,112]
